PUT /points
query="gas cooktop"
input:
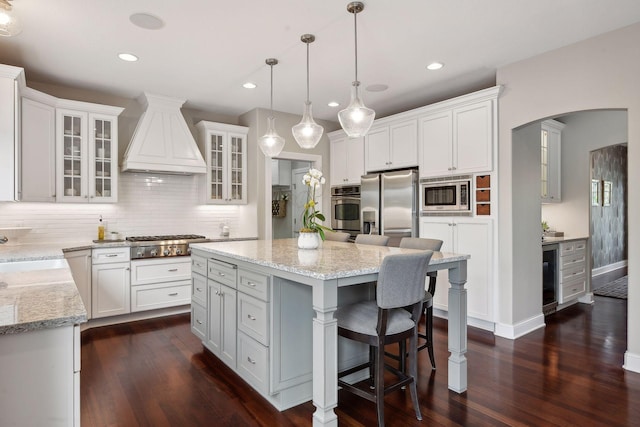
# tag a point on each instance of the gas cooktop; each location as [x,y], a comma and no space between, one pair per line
[143,247]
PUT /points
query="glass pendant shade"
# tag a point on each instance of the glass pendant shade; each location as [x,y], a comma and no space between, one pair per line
[356,119]
[9,24]
[271,143]
[307,133]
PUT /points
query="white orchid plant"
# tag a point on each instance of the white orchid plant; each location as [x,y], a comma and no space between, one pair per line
[313,180]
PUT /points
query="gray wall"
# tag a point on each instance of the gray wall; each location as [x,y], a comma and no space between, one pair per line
[609,223]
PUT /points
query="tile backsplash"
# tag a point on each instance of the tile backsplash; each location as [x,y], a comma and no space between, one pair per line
[148,204]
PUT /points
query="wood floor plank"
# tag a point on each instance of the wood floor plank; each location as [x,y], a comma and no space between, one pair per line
[156,373]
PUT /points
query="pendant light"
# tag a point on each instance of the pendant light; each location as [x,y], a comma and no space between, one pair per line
[271,143]
[307,133]
[9,24]
[356,119]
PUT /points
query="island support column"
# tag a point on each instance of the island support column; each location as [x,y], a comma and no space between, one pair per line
[325,353]
[458,327]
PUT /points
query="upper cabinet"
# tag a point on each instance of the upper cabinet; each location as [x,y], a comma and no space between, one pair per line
[86,152]
[391,145]
[347,159]
[281,172]
[10,77]
[226,157]
[550,161]
[458,139]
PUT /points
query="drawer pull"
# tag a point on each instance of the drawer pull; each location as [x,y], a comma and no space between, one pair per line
[250,360]
[173,269]
[111,255]
[251,317]
[198,322]
[173,294]
[251,284]
[220,274]
[199,289]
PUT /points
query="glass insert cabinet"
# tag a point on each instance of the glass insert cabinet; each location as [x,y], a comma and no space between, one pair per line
[87,156]
[226,156]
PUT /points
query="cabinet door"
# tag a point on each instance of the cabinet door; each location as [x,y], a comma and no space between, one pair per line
[354,163]
[221,335]
[80,265]
[215,163]
[111,291]
[550,150]
[435,144]
[338,161]
[377,149]
[38,163]
[442,229]
[72,156]
[473,138]
[475,238]
[103,155]
[403,144]
[236,147]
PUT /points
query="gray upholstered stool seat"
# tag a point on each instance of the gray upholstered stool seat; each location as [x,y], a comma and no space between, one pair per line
[372,239]
[336,236]
[356,317]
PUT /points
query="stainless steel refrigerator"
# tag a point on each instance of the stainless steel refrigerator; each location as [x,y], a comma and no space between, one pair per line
[389,203]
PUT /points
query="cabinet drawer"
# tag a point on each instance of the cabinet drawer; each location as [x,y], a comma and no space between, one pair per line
[149,271]
[254,284]
[571,273]
[253,362]
[109,255]
[198,320]
[253,318]
[150,297]
[573,289]
[199,289]
[222,272]
[199,264]
[573,259]
[573,247]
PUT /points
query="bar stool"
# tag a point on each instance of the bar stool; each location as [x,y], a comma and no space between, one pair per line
[372,239]
[386,321]
[336,236]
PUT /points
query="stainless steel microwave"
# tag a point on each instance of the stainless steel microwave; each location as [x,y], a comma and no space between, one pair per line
[446,195]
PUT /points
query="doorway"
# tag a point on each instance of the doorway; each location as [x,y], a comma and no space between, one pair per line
[288,196]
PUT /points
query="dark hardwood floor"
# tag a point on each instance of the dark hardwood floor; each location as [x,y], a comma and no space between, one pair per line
[156,373]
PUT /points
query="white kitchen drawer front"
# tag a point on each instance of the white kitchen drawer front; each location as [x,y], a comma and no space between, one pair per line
[108,255]
[573,259]
[222,272]
[253,318]
[199,289]
[572,247]
[198,320]
[149,271]
[572,289]
[254,284]
[199,264]
[253,362]
[573,272]
[150,297]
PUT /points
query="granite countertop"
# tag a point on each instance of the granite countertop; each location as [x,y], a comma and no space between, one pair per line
[564,239]
[332,260]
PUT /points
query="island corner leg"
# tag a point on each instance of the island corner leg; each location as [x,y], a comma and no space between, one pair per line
[325,354]
[458,328]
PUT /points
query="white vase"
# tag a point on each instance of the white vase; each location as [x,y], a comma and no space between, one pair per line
[307,240]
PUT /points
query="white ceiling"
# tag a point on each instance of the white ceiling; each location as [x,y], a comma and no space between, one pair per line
[208,48]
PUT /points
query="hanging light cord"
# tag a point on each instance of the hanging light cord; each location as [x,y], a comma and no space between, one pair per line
[307,72]
[355,26]
[271,105]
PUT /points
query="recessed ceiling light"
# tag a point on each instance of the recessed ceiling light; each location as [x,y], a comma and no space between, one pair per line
[146,21]
[333,104]
[128,57]
[249,85]
[377,88]
[435,66]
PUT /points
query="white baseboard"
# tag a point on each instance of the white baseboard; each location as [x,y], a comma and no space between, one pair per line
[608,268]
[132,317]
[471,321]
[631,362]
[513,332]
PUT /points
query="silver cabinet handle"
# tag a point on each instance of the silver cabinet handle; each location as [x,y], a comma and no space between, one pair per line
[173,294]
[198,322]
[250,360]
[251,317]
[173,269]
[199,289]
[127,269]
[111,255]
[253,285]
[221,274]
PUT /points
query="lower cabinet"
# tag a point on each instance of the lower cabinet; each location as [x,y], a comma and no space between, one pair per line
[160,283]
[110,282]
[573,275]
[221,334]
[80,265]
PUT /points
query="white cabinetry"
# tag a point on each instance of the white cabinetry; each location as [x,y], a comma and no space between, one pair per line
[226,156]
[221,306]
[466,236]
[392,145]
[80,265]
[199,296]
[347,159]
[110,282]
[551,161]
[40,372]
[573,277]
[86,152]
[160,283]
[38,170]
[9,132]
[281,172]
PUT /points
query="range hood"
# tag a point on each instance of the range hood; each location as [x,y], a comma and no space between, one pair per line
[162,141]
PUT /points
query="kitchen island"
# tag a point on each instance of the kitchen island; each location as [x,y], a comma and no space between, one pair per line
[270,265]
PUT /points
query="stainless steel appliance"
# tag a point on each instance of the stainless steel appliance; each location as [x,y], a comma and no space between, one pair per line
[388,203]
[163,246]
[446,195]
[345,209]
[549,278]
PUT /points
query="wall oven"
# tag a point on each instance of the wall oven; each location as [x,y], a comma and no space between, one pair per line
[446,195]
[345,209]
